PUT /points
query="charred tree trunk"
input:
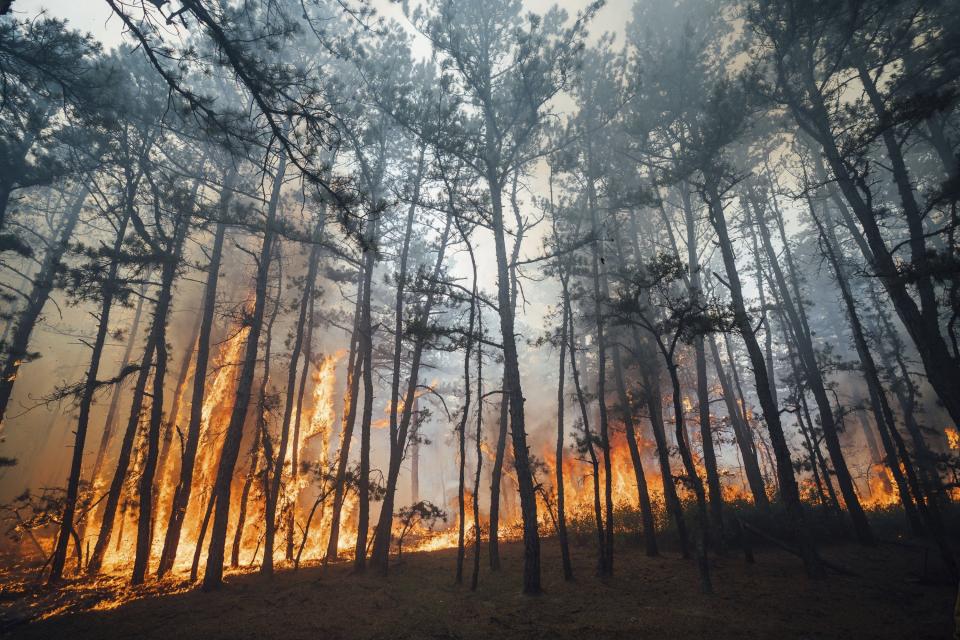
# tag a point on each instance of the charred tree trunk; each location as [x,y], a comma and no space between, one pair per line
[477,534]
[161,313]
[183,491]
[381,543]
[587,433]
[261,439]
[365,348]
[244,499]
[273,496]
[901,467]
[496,476]
[643,494]
[90,386]
[513,389]
[793,308]
[354,365]
[108,424]
[906,394]
[878,398]
[462,428]
[496,481]
[741,430]
[95,561]
[654,399]
[626,404]
[43,284]
[789,491]
[213,575]
[561,498]
[599,298]
[922,322]
[703,392]
[693,478]
[171,423]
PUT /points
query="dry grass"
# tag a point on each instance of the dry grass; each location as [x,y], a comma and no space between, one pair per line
[648,597]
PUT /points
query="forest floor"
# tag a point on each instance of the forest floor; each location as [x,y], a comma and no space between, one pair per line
[891,595]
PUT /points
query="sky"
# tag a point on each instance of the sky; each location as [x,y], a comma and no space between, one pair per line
[96,17]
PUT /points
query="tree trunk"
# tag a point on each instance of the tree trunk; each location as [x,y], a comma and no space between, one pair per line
[109,291]
[477,534]
[789,491]
[513,389]
[182,494]
[381,543]
[599,298]
[213,576]
[741,430]
[366,353]
[703,393]
[161,313]
[95,562]
[244,498]
[654,398]
[496,475]
[587,433]
[110,420]
[922,323]
[528,498]
[558,465]
[878,398]
[273,496]
[462,428]
[693,479]
[348,422]
[900,466]
[793,308]
[43,284]
[165,475]
[626,403]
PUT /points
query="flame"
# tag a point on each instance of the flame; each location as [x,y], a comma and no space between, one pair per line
[319,424]
[883,490]
[953,438]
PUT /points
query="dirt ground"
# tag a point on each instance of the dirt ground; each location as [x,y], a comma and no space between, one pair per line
[889,597]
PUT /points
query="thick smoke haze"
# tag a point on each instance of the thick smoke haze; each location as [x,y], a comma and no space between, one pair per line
[311,283]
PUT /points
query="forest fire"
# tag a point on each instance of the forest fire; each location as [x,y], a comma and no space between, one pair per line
[625,301]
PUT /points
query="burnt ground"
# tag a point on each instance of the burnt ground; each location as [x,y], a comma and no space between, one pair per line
[891,596]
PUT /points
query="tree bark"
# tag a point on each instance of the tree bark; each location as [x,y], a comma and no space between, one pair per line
[793,309]
[703,392]
[273,496]
[43,283]
[381,542]
[109,291]
[213,575]
[183,491]
[95,561]
[599,297]
[348,422]
[161,314]
[789,491]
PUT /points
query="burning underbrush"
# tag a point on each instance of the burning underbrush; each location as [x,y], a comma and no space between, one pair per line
[308,506]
